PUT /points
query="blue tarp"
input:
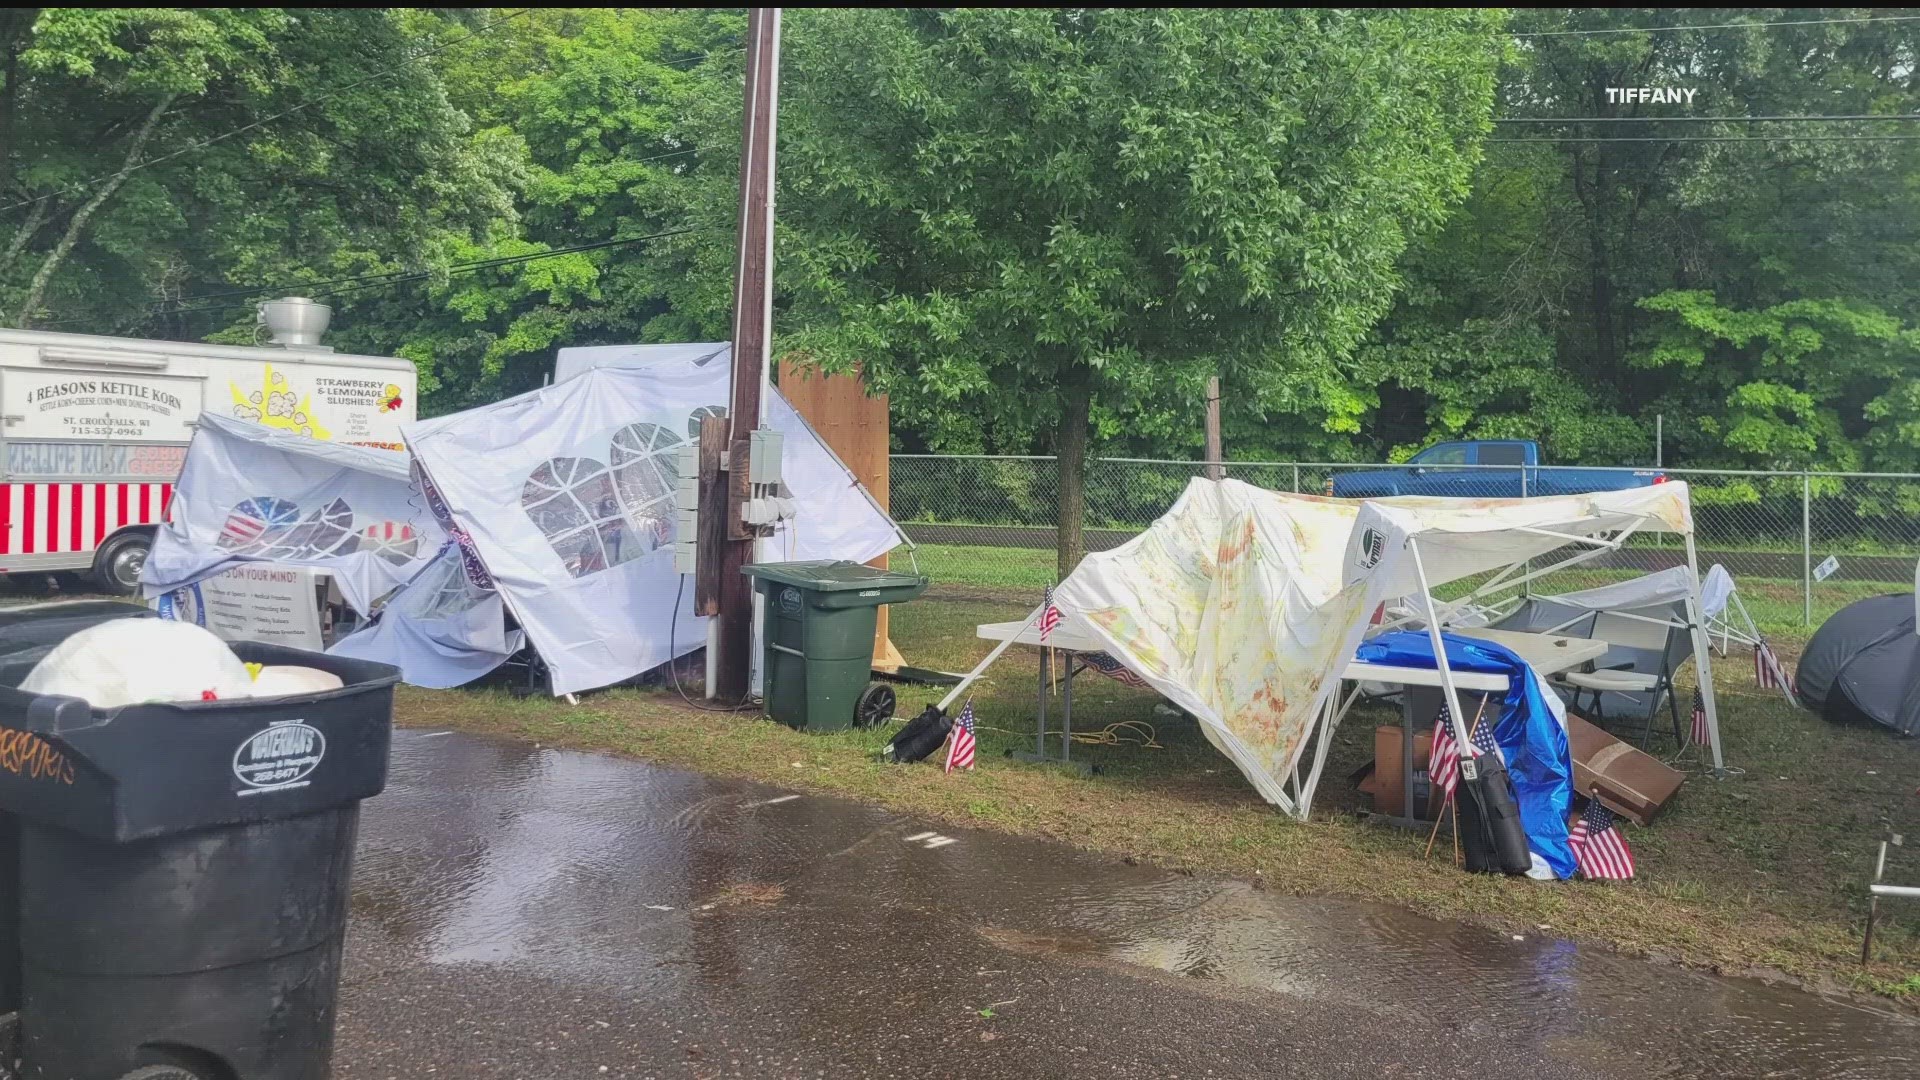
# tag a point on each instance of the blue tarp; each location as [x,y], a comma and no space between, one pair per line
[1531,732]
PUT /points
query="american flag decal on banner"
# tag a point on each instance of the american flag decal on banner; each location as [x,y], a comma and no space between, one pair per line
[1105,664]
[1598,845]
[252,520]
[960,744]
[1699,718]
[1049,615]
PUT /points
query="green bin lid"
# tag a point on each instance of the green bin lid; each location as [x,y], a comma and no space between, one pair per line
[835,575]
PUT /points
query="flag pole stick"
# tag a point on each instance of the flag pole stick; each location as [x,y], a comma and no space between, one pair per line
[1435,834]
[1442,815]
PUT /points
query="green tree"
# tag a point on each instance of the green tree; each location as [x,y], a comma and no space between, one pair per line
[595,104]
[1752,281]
[1047,227]
[166,152]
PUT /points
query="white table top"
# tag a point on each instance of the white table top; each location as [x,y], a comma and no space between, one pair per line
[1546,653]
[1068,635]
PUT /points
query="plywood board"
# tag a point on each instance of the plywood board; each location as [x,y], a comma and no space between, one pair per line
[856,427]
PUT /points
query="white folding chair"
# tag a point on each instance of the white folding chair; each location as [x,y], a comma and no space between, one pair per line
[1638,635]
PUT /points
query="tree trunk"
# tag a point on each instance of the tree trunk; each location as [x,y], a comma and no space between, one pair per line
[1077,406]
[37,289]
[16,28]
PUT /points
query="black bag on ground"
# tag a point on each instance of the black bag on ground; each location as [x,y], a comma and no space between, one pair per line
[922,736]
[1490,831]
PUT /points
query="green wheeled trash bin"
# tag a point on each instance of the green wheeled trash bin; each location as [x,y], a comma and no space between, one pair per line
[175,896]
[820,619]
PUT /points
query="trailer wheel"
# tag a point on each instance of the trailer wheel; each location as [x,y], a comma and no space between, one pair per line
[117,566]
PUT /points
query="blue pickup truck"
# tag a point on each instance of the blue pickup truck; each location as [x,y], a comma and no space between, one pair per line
[1484,469]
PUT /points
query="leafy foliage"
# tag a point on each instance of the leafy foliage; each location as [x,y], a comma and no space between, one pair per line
[1026,224]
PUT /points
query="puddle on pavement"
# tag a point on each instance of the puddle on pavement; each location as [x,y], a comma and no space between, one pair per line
[577,866]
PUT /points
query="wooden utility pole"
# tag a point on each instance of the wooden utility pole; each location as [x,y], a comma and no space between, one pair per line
[1214,453]
[752,319]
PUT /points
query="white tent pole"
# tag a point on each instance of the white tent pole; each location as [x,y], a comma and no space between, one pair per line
[1461,736]
[984,664]
[1703,657]
[1586,556]
[1330,719]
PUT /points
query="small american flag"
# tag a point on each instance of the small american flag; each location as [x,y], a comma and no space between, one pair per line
[1767,672]
[960,745]
[1443,759]
[1483,744]
[1699,718]
[1105,664]
[1049,615]
[1599,847]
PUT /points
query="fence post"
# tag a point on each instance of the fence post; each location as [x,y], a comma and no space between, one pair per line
[1806,548]
[1296,481]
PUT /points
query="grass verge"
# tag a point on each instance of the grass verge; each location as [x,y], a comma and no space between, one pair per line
[1759,874]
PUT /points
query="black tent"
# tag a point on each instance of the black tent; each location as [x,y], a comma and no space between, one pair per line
[1865,661]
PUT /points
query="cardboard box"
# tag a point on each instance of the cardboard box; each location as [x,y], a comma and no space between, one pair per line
[1627,781]
[1386,779]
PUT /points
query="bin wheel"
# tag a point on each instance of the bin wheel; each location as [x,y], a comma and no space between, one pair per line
[161,1072]
[875,707]
[10,1046]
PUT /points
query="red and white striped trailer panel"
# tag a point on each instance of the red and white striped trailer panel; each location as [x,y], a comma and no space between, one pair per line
[50,519]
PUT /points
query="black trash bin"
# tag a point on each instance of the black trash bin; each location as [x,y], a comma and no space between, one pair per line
[183,874]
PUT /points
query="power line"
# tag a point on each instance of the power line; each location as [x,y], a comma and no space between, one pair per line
[1713,26]
[1901,117]
[310,102]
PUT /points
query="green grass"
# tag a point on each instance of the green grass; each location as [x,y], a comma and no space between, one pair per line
[1004,569]
[1761,872]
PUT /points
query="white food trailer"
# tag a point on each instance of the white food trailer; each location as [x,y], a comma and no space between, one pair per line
[93,430]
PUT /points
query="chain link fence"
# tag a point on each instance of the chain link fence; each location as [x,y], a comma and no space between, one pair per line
[1802,545]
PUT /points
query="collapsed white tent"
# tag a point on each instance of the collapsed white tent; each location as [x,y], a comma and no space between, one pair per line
[566,497]
[1244,606]
[253,494]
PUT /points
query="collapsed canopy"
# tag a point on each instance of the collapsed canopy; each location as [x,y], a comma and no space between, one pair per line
[566,495]
[1244,606]
[249,493]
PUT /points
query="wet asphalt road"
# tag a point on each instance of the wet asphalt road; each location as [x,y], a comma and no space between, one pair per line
[531,913]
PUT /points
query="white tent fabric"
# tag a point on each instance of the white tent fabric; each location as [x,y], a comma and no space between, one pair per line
[1666,587]
[566,494]
[1716,589]
[441,629]
[1244,606]
[581,359]
[812,471]
[252,494]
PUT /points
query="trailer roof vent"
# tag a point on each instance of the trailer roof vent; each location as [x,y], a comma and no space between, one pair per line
[294,322]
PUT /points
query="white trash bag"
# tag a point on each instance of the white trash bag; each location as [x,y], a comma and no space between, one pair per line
[280,680]
[130,661]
